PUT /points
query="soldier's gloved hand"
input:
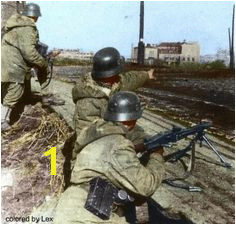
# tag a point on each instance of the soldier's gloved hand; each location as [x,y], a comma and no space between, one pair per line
[139,147]
[151,74]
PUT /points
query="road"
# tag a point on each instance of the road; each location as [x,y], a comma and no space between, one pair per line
[215,204]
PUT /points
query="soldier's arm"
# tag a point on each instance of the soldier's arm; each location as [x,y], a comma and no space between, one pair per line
[27,45]
[132,175]
[75,92]
[133,79]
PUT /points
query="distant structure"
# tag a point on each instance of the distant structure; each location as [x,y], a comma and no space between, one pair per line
[170,52]
[10,7]
[76,54]
[141,45]
[221,54]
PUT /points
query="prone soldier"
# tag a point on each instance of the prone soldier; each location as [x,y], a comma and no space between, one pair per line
[107,167]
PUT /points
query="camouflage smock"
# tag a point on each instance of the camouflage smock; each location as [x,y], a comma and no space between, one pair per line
[109,154]
[91,98]
[19,52]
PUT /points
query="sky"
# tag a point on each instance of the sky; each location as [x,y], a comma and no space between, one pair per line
[92,25]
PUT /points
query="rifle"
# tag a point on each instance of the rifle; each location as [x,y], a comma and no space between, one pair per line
[49,56]
[176,134]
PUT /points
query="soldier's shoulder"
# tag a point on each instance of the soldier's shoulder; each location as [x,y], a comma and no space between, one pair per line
[18,20]
[138,128]
[84,78]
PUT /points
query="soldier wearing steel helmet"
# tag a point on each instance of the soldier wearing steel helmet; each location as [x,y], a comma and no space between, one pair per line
[107,153]
[92,91]
[19,55]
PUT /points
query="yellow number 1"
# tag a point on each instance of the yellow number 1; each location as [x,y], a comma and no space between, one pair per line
[53,154]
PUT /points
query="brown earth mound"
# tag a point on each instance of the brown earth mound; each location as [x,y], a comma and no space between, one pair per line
[24,161]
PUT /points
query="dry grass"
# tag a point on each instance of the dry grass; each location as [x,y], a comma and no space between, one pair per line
[23,149]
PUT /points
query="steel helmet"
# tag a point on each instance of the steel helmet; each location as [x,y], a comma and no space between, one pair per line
[32,10]
[123,106]
[107,62]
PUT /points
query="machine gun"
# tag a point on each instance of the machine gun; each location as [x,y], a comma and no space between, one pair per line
[168,138]
[49,56]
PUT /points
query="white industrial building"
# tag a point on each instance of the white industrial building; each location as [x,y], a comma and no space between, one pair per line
[170,52]
[76,54]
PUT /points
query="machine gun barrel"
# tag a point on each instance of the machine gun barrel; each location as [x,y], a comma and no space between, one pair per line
[176,134]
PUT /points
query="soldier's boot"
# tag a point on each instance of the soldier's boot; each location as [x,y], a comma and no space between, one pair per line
[5,118]
[50,99]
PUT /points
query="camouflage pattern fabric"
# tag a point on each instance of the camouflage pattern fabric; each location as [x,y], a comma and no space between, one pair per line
[19,51]
[11,93]
[91,98]
[106,152]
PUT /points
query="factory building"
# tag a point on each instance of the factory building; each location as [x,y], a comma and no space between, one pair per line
[170,52]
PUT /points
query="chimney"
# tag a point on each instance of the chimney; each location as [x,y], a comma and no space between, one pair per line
[141,47]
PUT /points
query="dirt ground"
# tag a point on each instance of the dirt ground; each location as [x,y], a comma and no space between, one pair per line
[215,204]
[26,172]
[192,97]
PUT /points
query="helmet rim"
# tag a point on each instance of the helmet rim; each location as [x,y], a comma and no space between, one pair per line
[105,74]
[123,106]
[106,63]
[121,117]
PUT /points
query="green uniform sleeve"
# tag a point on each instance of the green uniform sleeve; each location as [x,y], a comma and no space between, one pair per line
[133,80]
[27,44]
[76,90]
[132,175]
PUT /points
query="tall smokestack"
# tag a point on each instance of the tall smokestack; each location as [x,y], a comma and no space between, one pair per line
[141,46]
[231,44]
[230,47]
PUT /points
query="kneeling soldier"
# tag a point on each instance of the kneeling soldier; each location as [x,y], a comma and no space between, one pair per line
[107,172]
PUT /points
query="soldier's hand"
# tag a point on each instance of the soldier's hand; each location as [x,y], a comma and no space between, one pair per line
[139,147]
[151,74]
[54,53]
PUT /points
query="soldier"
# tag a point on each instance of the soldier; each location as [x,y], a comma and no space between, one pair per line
[92,91]
[19,54]
[107,154]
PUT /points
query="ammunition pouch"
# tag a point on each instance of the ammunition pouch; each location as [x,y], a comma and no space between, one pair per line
[103,196]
